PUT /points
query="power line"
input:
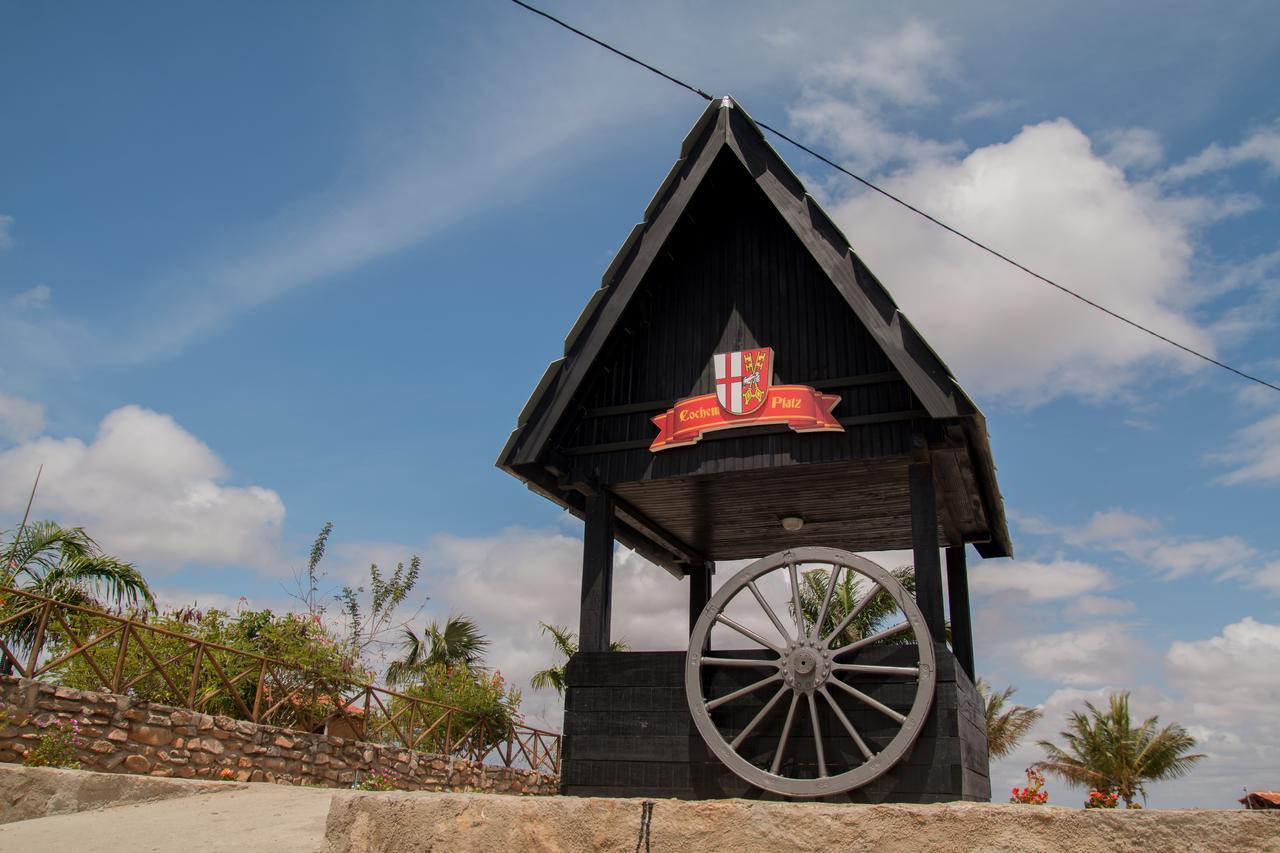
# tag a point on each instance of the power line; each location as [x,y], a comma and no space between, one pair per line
[944,226]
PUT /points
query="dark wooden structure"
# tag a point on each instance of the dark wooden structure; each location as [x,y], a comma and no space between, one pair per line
[734,254]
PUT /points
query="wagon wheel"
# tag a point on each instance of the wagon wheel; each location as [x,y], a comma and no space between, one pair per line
[807,675]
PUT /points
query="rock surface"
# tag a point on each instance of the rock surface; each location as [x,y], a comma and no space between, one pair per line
[478,822]
[32,792]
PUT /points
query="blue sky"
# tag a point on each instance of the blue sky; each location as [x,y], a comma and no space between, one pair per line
[267,266]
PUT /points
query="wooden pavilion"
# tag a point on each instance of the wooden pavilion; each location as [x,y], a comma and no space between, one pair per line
[734,255]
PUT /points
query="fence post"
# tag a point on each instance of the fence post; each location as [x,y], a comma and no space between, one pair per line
[257,693]
[118,673]
[195,676]
[37,644]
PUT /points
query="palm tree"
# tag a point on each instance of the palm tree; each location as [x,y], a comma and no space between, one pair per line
[1005,726]
[67,565]
[848,592]
[1105,752]
[457,642]
[566,644]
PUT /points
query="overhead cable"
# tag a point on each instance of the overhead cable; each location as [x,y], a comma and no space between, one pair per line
[871,186]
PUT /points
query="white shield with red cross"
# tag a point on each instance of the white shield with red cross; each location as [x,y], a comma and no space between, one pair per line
[743,379]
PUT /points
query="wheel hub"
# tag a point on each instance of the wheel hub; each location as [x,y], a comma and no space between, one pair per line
[805,666]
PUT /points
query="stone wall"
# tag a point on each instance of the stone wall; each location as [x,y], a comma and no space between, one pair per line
[121,735]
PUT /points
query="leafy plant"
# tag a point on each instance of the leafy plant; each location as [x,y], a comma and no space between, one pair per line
[298,640]
[1105,752]
[486,707]
[57,747]
[566,645]
[67,565]
[378,780]
[457,641]
[1034,794]
[873,617]
[367,623]
[1101,800]
[1005,726]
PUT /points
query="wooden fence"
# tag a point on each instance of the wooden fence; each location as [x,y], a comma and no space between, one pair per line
[95,650]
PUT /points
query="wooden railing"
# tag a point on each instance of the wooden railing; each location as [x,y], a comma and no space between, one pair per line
[95,650]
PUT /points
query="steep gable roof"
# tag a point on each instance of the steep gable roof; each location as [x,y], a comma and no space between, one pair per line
[725,127]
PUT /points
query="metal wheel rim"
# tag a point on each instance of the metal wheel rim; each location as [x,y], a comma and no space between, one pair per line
[879,762]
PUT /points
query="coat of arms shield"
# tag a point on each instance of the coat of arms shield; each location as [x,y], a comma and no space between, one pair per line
[743,379]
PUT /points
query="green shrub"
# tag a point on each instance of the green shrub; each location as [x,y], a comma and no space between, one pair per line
[57,747]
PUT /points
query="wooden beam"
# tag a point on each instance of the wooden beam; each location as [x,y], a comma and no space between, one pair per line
[699,589]
[924,543]
[958,595]
[660,535]
[597,574]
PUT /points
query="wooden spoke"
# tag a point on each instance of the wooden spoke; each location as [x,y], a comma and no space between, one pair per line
[773,617]
[748,633]
[826,602]
[794,577]
[867,700]
[848,726]
[747,662]
[33,608]
[874,638]
[875,669]
[80,648]
[817,737]
[743,691]
[755,721]
[852,614]
[786,731]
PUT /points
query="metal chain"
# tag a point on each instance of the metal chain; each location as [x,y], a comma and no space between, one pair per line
[646,818]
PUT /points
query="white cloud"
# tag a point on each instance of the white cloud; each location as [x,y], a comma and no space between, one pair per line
[6,236]
[1141,540]
[150,492]
[1254,454]
[1037,581]
[843,102]
[510,582]
[1098,605]
[1268,577]
[1231,689]
[19,419]
[1046,198]
[1133,148]
[900,67]
[1261,146]
[985,109]
[33,298]
[1098,654]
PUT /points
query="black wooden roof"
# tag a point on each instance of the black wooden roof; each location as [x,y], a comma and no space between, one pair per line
[725,140]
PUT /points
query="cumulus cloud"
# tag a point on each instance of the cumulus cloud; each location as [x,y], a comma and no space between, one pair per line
[1035,581]
[150,492]
[1098,654]
[1047,198]
[19,419]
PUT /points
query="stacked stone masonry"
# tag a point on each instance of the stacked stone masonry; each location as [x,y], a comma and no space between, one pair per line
[121,735]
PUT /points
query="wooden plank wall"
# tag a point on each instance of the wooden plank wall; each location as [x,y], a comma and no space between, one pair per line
[734,277]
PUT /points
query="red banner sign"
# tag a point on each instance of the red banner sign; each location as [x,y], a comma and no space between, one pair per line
[798,406]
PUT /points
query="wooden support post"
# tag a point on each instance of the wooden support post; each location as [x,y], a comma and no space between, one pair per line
[924,543]
[958,600]
[597,574]
[699,589]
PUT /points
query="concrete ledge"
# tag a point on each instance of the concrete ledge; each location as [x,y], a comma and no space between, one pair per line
[483,822]
[31,792]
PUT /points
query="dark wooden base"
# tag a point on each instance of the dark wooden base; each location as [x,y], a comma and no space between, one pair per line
[628,733]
